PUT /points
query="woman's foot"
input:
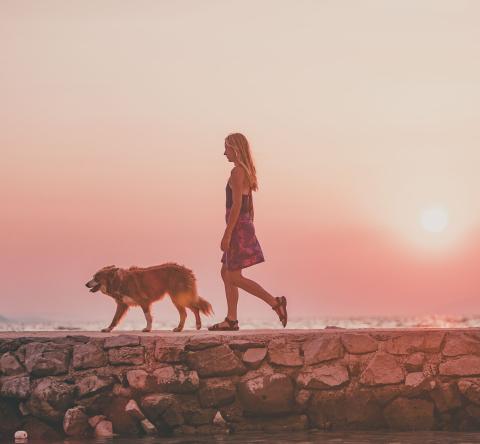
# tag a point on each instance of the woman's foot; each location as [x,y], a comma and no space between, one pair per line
[281,309]
[225,325]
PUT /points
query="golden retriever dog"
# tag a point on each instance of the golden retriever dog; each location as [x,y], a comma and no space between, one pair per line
[144,286]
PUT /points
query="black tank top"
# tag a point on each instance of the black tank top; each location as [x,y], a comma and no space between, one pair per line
[247,203]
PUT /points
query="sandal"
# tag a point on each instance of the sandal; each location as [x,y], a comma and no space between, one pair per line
[232,326]
[281,303]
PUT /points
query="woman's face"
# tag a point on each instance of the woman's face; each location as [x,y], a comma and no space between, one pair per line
[229,152]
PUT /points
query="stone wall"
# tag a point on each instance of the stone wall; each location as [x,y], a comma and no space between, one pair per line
[165,383]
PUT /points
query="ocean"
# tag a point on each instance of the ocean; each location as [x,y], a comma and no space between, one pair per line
[438,321]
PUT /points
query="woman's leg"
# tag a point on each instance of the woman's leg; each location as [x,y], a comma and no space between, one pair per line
[231,292]
[235,278]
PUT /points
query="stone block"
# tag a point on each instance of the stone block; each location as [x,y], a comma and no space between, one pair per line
[382,369]
[324,348]
[323,377]
[284,352]
[215,361]
[126,356]
[267,394]
[359,343]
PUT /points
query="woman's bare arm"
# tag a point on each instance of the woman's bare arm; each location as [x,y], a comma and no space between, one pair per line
[237,177]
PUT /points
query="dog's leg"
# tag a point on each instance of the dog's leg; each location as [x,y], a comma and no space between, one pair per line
[148,317]
[121,309]
[198,321]
[183,316]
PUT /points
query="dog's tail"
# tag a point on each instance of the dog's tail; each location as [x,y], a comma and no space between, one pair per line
[204,306]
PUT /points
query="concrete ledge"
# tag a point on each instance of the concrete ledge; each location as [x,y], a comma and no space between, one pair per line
[54,384]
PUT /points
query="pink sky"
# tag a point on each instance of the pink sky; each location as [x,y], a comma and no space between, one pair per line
[360,116]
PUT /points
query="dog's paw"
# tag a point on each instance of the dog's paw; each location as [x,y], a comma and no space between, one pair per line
[106,330]
[146,329]
[198,326]
[177,329]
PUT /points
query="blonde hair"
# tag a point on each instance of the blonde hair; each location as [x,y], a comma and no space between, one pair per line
[241,147]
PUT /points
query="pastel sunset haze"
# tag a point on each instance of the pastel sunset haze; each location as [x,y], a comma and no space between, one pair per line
[363,122]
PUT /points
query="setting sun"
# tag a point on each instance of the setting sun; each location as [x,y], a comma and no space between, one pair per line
[434,219]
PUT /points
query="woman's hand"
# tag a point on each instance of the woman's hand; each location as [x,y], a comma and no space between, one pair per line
[225,244]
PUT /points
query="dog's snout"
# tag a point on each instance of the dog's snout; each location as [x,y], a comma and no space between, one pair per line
[91,283]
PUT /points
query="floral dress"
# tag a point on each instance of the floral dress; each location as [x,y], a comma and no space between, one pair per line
[244,250]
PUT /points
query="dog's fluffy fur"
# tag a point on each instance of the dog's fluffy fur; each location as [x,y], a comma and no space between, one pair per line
[143,286]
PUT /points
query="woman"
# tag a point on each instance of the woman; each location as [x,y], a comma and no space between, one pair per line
[239,244]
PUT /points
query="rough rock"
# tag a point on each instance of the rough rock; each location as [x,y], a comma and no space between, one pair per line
[321,349]
[176,379]
[215,392]
[93,384]
[75,422]
[162,406]
[281,351]
[44,359]
[327,409]
[245,344]
[414,342]
[267,394]
[446,396]
[386,393]
[121,391]
[358,343]
[470,388]
[362,410]
[94,420]
[104,429]
[9,365]
[202,342]
[457,344]
[232,412]
[96,404]
[301,400]
[10,420]
[39,430]
[253,357]
[126,355]
[148,427]
[218,420]
[23,409]
[382,369]
[417,383]
[352,409]
[414,379]
[357,363]
[122,422]
[409,414]
[17,387]
[88,355]
[139,380]
[193,414]
[50,399]
[414,362]
[323,377]
[215,361]
[121,341]
[463,366]
[133,410]
[170,352]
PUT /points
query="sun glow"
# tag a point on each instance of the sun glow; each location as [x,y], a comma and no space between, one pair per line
[434,219]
